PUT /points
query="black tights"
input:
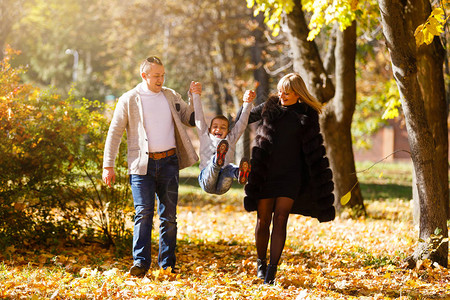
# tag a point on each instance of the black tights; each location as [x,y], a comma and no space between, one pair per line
[280,207]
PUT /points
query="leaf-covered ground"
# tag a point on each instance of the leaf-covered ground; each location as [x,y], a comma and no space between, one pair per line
[343,259]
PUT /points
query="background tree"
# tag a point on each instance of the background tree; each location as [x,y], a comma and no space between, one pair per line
[10,13]
[259,59]
[308,62]
[48,29]
[398,31]
[430,75]
[209,41]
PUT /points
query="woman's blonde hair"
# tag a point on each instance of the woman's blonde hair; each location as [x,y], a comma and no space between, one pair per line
[294,82]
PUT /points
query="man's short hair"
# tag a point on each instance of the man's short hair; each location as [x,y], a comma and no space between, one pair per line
[146,64]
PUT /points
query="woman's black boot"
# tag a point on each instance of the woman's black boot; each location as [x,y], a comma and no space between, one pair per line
[270,274]
[261,267]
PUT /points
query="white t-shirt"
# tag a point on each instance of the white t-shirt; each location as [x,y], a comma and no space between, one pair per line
[158,122]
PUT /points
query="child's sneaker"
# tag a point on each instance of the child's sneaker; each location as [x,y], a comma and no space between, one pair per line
[244,170]
[221,151]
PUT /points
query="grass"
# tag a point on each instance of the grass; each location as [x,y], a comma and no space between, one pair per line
[385,181]
[379,182]
[192,195]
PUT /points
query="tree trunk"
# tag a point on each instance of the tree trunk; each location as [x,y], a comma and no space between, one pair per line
[329,61]
[336,120]
[402,48]
[260,74]
[307,61]
[217,101]
[430,59]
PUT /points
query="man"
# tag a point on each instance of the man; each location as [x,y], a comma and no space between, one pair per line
[158,146]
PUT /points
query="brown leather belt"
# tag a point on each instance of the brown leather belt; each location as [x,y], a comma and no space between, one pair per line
[160,155]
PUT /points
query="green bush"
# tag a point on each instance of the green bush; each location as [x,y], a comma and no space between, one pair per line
[50,168]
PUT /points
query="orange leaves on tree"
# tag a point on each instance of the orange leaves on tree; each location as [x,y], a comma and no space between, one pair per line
[52,147]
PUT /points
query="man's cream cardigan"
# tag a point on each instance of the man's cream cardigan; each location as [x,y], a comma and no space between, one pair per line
[128,116]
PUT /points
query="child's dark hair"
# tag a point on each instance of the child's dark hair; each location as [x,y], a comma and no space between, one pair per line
[220,117]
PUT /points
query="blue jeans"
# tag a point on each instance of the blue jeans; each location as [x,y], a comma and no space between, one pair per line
[161,178]
[216,180]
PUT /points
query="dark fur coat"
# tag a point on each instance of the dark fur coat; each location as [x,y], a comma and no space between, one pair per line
[316,197]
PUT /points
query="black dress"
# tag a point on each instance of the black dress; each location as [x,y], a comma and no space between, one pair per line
[285,162]
[288,160]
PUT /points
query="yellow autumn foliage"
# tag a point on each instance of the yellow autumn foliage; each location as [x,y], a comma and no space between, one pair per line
[434,26]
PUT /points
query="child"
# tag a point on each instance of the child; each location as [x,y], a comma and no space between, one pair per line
[217,147]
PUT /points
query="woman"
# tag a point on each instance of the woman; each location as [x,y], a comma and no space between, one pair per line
[290,173]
